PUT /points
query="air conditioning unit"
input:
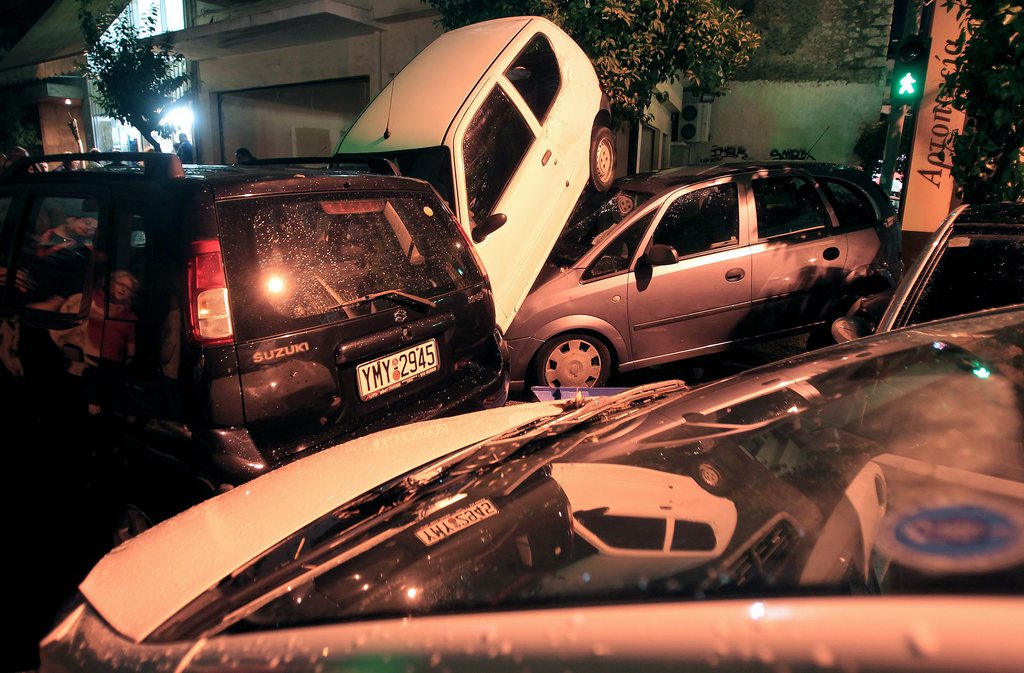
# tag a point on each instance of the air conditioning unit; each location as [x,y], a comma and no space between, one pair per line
[694,121]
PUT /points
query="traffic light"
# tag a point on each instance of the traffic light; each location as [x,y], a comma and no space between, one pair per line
[909,71]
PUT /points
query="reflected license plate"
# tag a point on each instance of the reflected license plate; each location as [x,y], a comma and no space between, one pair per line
[382,375]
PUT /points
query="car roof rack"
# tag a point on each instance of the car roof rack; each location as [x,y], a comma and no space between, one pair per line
[150,164]
[360,163]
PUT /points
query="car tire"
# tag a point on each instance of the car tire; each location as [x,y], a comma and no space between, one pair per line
[602,158]
[573,360]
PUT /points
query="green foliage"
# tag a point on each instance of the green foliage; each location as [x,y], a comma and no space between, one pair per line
[986,85]
[870,147]
[137,77]
[635,45]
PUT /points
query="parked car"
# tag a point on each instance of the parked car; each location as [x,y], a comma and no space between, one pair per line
[973,261]
[235,317]
[507,120]
[840,510]
[700,259]
[168,333]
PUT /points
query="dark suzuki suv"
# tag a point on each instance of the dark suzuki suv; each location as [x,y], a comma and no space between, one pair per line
[225,319]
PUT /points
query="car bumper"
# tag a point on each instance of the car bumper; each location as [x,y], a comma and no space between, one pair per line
[521,352]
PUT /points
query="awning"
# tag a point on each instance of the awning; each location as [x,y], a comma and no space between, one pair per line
[294,24]
[53,46]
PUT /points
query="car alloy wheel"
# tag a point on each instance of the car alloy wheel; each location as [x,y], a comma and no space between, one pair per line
[573,361]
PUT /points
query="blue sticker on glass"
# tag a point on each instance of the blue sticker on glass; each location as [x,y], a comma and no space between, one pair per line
[958,530]
[961,537]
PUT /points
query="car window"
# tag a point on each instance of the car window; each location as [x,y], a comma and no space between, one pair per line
[309,254]
[535,76]
[496,142]
[701,220]
[974,272]
[431,164]
[624,532]
[786,205]
[620,252]
[851,205]
[55,257]
[594,216]
[120,303]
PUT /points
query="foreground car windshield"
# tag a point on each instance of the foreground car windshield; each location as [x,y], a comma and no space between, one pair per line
[594,216]
[889,467]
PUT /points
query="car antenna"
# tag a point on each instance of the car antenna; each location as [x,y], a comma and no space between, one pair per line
[391,98]
[808,149]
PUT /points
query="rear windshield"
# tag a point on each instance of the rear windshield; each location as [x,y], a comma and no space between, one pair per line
[298,259]
[976,270]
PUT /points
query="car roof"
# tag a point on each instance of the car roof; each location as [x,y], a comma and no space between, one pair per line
[413,111]
[992,213]
[670,178]
[229,181]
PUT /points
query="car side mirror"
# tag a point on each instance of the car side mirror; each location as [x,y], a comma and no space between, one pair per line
[661,254]
[850,328]
[488,226]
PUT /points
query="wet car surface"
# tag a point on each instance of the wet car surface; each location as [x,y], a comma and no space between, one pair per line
[852,488]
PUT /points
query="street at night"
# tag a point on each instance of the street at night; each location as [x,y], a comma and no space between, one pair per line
[447,335]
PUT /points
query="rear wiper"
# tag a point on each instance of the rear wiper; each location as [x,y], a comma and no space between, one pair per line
[396,295]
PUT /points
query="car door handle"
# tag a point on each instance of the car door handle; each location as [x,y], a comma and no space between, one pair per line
[831,253]
[735,275]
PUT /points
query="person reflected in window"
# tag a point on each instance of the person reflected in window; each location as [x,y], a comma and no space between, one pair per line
[112,337]
[184,150]
[61,258]
[243,155]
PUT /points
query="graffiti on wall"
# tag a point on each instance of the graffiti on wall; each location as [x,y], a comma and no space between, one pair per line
[792,154]
[718,153]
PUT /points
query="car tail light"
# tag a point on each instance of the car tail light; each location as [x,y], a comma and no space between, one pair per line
[209,310]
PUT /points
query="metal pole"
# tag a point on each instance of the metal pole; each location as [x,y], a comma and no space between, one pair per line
[892,147]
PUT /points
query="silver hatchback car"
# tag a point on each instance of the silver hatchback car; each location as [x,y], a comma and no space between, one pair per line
[700,259]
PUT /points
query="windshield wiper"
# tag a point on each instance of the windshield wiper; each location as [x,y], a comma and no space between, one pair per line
[396,295]
[508,444]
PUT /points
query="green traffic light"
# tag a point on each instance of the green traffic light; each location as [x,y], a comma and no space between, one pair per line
[907,83]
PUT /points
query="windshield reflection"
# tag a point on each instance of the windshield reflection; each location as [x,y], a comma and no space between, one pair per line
[895,466]
[595,215]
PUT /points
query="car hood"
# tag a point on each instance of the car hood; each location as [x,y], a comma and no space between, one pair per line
[413,111]
[170,564]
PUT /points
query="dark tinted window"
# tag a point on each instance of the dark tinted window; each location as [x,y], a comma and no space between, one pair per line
[495,144]
[432,164]
[851,205]
[786,205]
[55,257]
[618,254]
[974,272]
[692,536]
[307,255]
[702,220]
[595,214]
[535,76]
[119,302]
[624,532]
